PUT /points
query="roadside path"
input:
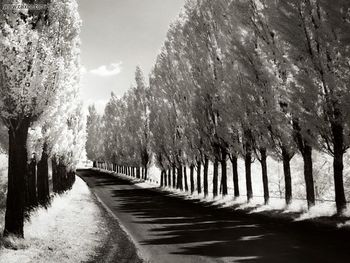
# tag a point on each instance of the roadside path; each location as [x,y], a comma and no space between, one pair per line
[168,228]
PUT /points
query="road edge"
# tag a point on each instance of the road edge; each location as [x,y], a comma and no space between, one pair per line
[142,257]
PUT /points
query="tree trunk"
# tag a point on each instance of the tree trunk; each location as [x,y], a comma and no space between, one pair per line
[215,177]
[43,178]
[287,175]
[199,185]
[146,172]
[174,177]
[185,179]
[192,178]
[205,176]
[31,196]
[308,175]
[264,175]
[17,164]
[162,179]
[224,172]
[179,184]
[235,176]
[165,178]
[138,173]
[70,179]
[248,162]
[248,174]
[169,177]
[94,164]
[338,166]
[306,151]
[62,177]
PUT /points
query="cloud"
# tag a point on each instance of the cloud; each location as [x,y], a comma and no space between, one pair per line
[106,71]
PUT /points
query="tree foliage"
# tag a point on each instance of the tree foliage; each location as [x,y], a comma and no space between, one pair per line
[246,79]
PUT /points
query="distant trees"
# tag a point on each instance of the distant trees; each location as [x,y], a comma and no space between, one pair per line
[94,143]
[120,140]
[38,65]
[251,79]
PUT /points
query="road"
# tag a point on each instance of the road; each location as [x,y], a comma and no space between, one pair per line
[167,228]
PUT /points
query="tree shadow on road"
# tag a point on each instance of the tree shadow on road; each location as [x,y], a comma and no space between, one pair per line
[101,178]
[219,233]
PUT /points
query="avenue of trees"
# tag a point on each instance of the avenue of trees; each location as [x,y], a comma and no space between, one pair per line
[126,129]
[236,79]
[39,106]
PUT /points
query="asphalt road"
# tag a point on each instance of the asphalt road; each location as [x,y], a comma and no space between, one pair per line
[167,228]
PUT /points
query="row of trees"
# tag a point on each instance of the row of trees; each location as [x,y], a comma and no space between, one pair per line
[240,78]
[39,106]
[125,129]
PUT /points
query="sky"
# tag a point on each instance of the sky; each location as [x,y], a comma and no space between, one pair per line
[118,35]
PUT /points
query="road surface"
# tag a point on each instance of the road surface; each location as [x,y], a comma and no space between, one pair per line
[167,228]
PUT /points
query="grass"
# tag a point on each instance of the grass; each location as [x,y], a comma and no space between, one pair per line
[71,230]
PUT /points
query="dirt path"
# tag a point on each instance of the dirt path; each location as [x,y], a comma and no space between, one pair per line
[169,229]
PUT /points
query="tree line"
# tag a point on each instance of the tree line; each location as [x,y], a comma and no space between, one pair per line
[40,111]
[237,79]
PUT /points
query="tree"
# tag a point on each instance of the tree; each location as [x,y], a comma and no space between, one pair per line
[320,54]
[29,63]
[141,117]
[93,142]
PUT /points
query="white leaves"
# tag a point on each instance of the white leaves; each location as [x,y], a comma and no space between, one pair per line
[40,72]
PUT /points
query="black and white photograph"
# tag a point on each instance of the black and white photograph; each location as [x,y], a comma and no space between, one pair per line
[174,131]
